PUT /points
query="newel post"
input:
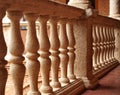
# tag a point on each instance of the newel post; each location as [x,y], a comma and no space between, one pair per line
[84,52]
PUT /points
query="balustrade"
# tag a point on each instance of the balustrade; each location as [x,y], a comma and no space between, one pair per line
[53,52]
[103,45]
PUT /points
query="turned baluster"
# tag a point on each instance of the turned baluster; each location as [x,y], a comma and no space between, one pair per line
[32,46]
[71,53]
[108,46]
[95,50]
[3,62]
[112,43]
[113,34]
[105,44]
[63,52]
[16,48]
[111,47]
[45,63]
[54,49]
[98,45]
[101,46]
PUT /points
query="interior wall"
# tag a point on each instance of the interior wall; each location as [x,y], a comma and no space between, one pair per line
[102,6]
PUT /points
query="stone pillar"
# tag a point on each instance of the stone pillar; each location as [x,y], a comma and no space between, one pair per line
[114,10]
[83,4]
[3,51]
[16,49]
[84,52]
[32,46]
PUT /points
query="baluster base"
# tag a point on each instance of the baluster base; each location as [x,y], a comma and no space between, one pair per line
[64,81]
[33,93]
[46,90]
[90,83]
[55,85]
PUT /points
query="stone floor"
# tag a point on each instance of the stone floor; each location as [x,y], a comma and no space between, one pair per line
[108,85]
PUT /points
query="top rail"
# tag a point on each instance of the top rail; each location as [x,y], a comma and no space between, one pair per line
[37,6]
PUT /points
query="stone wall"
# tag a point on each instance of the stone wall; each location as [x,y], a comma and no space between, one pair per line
[102,6]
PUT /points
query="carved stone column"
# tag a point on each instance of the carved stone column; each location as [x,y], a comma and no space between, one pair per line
[54,49]
[45,63]
[114,10]
[83,4]
[32,47]
[3,51]
[16,48]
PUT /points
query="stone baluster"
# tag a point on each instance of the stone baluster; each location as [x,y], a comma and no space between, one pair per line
[111,47]
[3,51]
[32,46]
[113,44]
[104,48]
[71,53]
[63,52]
[108,47]
[109,35]
[98,45]
[54,49]
[16,48]
[95,50]
[105,44]
[45,63]
[101,46]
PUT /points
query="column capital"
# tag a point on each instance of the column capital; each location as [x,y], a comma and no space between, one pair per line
[62,20]
[53,19]
[14,15]
[31,16]
[43,18]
